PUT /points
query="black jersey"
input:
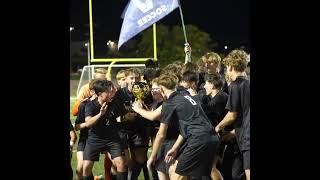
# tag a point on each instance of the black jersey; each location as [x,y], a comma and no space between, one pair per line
[201,81]
[182,90]
[239,101]
[122,104]
[81,118]
[215,107]
[193,122]
[103,127]
[168,117]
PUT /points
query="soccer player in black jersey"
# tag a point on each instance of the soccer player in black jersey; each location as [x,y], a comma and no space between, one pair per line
[200,142]
[132,127]
[213,104]
[238,104]
[103,134]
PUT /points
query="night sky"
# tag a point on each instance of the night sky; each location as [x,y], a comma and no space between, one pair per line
[227,21]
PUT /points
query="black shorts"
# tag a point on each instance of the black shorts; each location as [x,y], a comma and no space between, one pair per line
[81,144]
[197,157]
[160,164]
[95,146]
[246,159]
[134,139]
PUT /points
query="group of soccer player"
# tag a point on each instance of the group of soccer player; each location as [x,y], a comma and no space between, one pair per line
[194,115]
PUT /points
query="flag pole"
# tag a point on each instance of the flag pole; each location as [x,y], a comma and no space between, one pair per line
[188,54]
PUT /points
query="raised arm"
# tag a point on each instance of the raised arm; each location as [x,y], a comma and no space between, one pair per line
[150,115]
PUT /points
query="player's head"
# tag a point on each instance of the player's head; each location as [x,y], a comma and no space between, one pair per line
[121,78]
[104,89]
[212,62]
[213,82]
[132,76]
[150,74]
[235,62]
[100,73]
[172,69]
[201,65]
[167,82]
[151,64]
[91,84]
[189,66]
[155,90]
[189,80]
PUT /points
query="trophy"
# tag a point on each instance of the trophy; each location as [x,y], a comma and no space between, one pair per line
[140,91]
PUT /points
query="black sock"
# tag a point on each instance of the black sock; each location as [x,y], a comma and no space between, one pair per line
[136,171]
[122,175]
[88,177]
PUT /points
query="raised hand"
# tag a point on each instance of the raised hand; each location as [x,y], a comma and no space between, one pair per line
[187,48]
[103,108]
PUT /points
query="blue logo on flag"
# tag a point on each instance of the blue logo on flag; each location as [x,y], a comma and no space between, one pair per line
[140,14]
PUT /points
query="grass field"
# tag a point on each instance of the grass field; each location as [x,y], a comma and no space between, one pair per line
[98,168]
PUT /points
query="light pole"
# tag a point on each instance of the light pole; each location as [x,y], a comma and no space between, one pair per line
[88,52]
[71,29]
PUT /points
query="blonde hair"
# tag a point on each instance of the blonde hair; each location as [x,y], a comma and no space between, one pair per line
[132,71]
[155,81]
[237,59]
[121,74]
[101,71]
[172,69]
[168,81]
[215,57]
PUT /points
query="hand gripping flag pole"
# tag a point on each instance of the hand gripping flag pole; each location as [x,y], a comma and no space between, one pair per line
[188,54]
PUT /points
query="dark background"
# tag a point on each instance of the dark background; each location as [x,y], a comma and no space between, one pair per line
[35,87]
[228,21]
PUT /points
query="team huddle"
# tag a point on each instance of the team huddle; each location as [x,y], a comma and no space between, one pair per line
[188,113]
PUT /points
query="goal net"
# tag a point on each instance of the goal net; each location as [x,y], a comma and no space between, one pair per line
[87,72]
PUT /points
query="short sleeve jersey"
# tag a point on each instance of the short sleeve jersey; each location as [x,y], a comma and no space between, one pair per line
[239,101]
[121,105]
[81,118]
[103,128]
[193,122]
[215,107]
